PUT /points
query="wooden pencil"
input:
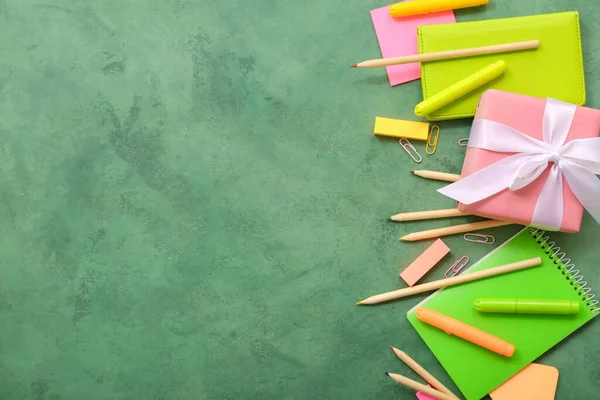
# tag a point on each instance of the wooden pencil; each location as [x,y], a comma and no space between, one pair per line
[452,230]
[438,176]
[433,214]
[445,55]
[419,386]
[423,373]
[427,287]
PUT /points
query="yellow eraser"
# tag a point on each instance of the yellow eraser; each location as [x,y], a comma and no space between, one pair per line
[401,129]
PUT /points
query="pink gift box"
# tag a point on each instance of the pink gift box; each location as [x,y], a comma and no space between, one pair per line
[525,114]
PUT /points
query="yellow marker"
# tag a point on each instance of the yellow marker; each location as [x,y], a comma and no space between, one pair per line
[408,8]
[460,88]
[401,129]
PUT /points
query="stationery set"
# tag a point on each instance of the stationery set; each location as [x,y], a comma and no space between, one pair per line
[532,158]
[477,371]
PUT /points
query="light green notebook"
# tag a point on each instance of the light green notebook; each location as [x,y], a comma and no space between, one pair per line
[477,371]
[554,70]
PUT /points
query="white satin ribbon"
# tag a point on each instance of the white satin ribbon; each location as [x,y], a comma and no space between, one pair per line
[578,161]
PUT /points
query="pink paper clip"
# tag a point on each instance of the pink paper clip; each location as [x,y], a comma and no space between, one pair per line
[457,267]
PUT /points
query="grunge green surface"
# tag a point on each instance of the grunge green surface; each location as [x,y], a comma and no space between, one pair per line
[192,201]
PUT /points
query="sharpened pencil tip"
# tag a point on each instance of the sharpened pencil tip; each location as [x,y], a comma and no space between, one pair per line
[390,219]
[401,239]
[354,66]
[359,303]
[412,171]
[392,346]
[387,373]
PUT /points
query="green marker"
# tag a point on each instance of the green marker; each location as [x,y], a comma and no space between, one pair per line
[460,89]
[527,306]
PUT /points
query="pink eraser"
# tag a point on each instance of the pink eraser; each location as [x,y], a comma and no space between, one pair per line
[425,262]
[423,396]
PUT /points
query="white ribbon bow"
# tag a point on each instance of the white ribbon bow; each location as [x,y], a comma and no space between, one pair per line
[578,161]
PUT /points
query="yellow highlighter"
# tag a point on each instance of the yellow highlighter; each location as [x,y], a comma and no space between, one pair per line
[460,88]
[418,7]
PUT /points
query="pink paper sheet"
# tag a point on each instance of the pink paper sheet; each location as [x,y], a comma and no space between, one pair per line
[398,37]
[423,396]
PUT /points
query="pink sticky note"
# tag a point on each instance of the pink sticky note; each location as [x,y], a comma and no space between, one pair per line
[423,396]
[398,37]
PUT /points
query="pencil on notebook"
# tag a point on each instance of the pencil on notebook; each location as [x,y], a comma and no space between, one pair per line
[422,372]
[445,55]
[426,287]
[433,214]
[438,176]
[419,387]
[452,230]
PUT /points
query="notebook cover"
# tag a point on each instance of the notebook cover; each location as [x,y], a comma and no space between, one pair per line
[475,370]
[554,70]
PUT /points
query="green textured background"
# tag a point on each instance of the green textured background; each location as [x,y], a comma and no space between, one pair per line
[192,200]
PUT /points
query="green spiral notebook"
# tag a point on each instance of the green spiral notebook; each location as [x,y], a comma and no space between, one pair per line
[477,371]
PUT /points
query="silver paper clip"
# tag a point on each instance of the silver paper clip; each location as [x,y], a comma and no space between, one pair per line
[410,149]
[464,142]
[457,267]
[479,238]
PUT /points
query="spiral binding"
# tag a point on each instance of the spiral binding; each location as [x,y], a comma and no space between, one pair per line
[571,274]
